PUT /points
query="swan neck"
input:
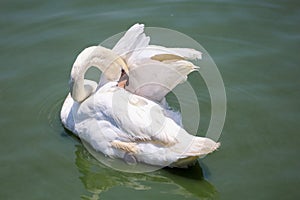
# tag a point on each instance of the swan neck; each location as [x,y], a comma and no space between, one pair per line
[77,89]
[109,63]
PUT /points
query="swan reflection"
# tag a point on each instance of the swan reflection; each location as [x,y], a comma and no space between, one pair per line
[98,179]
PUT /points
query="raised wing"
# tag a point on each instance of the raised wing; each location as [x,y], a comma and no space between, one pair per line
[153,70]
[156,70]
[134,39]
[161,53]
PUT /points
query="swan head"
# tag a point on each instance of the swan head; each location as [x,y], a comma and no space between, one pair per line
[108,62]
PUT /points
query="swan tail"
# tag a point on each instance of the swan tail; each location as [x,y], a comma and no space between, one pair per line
[198,148]
[201,146]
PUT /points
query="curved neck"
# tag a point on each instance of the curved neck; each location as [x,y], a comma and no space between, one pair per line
[108,62]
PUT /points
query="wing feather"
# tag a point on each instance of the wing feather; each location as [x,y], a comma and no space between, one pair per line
[153,70]
[141,119]
[132,40]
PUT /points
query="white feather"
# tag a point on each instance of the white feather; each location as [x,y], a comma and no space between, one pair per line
[115,121]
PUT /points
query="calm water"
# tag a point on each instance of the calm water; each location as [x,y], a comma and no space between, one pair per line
[255,44]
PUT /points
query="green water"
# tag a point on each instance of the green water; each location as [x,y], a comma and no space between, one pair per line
[255,45]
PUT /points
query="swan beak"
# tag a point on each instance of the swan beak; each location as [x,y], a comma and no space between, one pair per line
[124,79]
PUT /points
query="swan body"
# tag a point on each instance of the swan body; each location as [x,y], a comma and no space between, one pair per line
[134,120]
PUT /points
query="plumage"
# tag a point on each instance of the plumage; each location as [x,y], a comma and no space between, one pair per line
[135,120]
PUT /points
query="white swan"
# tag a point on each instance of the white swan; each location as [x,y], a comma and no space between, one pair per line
[135,121]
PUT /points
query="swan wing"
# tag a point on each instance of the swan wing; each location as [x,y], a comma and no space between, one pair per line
[132,40]
[141,119]
[153,70]
[157,70]
[142,122]
[127,47]
[164,53]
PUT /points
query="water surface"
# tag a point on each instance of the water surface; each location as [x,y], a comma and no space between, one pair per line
[255,45]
